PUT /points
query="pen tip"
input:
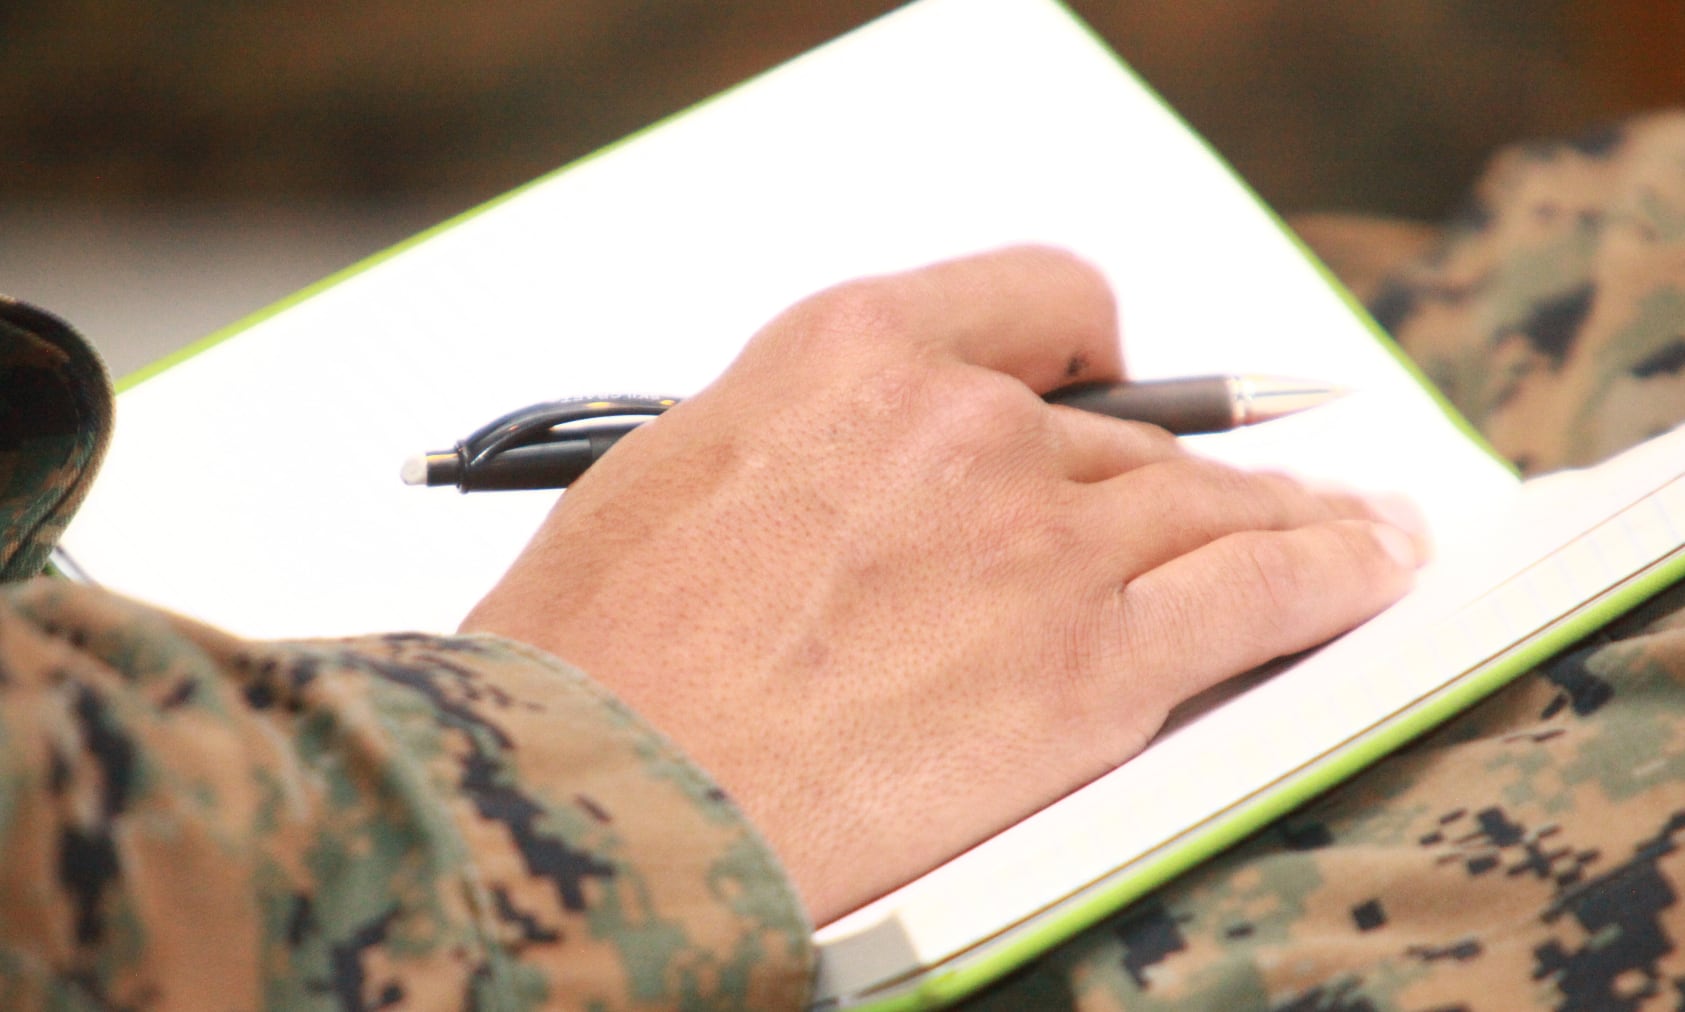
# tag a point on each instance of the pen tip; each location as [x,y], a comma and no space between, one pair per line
[1263,398]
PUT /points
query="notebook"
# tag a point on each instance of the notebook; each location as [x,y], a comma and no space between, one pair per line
[253,479]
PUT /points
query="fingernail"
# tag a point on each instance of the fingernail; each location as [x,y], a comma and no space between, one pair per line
[1399,511]
[1404,548]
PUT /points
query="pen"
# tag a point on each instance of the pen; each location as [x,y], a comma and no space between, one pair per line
[550,445]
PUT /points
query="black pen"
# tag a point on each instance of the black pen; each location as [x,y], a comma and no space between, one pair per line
[550,445]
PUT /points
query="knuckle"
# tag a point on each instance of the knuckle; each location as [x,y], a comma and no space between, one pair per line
[1296,572]
[1146,449]
[1220,498]
[1084,276]
[1191,494]
[1157,442]
[1092,641]
[977,413]
[1135,654]
[892,389]
[1135,625]
[994,401]
[1265,498]
[1271,571]
[863,311]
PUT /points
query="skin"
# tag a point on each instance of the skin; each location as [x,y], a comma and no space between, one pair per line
[893,601]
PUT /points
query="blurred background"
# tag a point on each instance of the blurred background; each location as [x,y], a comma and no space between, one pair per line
[166,169]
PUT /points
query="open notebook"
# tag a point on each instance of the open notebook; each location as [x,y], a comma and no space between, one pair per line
[253,482]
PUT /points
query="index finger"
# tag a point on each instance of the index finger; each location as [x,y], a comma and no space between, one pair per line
[1038,313]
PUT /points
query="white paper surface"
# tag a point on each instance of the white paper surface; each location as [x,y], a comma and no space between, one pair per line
[255,485]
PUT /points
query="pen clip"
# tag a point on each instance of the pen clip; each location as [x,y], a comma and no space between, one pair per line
[534,424]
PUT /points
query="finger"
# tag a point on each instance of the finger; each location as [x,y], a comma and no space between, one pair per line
[1174,506]
[1251,597]
[1033,312]
[1094,447]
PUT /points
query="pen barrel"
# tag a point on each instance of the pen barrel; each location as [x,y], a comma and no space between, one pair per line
[1183,406]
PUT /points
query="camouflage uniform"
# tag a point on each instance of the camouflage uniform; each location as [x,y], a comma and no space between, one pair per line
[190,820]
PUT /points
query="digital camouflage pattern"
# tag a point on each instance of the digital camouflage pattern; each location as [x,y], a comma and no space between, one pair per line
[188,820]
[1551,314]
[1530,854]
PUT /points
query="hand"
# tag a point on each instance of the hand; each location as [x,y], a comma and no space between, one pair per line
[893,601]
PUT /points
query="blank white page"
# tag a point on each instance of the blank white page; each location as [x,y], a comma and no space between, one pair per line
[255,485]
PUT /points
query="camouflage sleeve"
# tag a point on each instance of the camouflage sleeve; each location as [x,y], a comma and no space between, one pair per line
[188,820]
[1530,854]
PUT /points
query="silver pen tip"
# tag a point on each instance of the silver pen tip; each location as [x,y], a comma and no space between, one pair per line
[1265,397]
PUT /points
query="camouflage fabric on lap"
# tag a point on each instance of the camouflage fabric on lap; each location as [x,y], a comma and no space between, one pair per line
[1529,854]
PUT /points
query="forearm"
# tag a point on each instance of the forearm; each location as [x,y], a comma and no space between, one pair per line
[444,818]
